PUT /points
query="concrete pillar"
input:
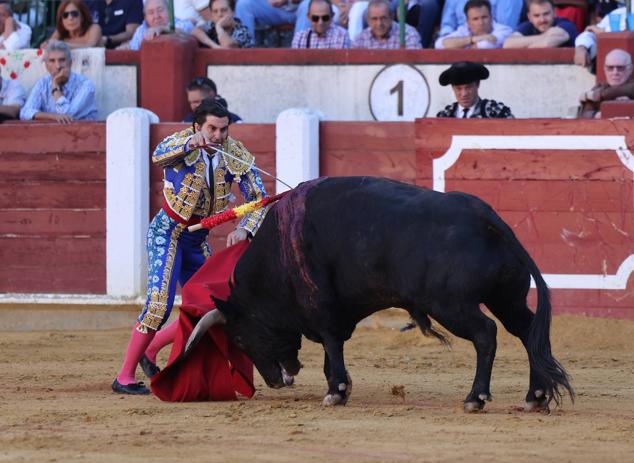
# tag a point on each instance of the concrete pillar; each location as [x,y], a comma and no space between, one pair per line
[296,146]
[127,200]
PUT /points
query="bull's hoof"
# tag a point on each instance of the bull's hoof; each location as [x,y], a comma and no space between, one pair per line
[474,406]
[536,401]
[334,399]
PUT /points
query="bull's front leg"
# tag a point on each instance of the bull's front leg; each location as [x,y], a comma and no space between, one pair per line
[339,382]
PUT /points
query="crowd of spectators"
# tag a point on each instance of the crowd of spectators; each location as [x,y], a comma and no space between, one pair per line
[445,24]
[367,23]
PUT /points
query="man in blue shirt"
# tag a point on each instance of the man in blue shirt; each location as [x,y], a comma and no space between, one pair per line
[62,96]
[118,19]
[543,29]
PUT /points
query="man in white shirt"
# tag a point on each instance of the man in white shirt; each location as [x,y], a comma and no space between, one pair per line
[586,42]
[12,98]
[13,33]
[480,30]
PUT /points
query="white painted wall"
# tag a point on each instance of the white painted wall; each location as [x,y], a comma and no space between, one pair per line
[260,93]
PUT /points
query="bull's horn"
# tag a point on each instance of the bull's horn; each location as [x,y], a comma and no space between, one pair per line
[208,320]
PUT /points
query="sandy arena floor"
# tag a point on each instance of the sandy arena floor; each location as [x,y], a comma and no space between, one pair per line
[406,404]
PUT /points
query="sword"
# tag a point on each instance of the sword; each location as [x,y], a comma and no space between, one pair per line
[231,156]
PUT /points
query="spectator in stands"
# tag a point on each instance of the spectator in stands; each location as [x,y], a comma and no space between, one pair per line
[13,33]
[505,12]
[74,26]
[543,29]
[118,19]
[224,30]
[12,98]
[480,30]
[464,78]
[194,11]
[200,88]
[618,85]
[586,42]
[266,13]
[420,14]
[156,23]
[62,96]
[382,31]
[323,33]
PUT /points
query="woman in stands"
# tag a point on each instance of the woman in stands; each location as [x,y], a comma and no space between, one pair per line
[224,30]
[75,26]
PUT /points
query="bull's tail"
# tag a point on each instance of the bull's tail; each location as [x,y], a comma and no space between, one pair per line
[549,371]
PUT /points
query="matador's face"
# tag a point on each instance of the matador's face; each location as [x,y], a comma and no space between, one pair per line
[215,129]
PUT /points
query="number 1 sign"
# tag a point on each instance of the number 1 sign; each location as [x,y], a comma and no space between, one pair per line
[399,92]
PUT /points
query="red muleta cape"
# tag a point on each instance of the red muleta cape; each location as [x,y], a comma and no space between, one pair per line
[215,369]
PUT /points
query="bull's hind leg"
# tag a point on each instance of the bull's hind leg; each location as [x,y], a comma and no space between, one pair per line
[517,318]
[468,322]
[339,382]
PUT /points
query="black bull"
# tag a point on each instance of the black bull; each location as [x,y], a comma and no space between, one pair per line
[336,250]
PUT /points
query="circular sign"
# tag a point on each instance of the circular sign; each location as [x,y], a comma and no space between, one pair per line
[399,92]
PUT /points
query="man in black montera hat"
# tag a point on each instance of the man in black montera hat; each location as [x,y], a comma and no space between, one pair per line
[465,78]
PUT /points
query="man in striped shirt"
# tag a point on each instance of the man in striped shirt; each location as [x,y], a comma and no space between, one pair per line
[323,33]
[383,32]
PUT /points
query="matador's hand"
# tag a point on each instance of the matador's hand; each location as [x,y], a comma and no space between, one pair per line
[239,234]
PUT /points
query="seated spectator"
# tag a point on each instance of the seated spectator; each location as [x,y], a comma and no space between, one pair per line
[266,13]
[543,29]
[14,34]
[480,30]
[62,96]
[11,99]
[382,31]
[507,12]
[339,11]
[224,30]
[465,78]
[200,88]
[118,19]
[420,14]
[194,11]
[74,26]
[323,33]
[156,22]
[586,42]
[619,84]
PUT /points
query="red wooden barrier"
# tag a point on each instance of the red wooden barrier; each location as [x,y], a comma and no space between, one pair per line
[572,208]
[52,208]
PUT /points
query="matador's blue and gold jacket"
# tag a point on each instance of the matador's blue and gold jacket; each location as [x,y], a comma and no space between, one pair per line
[184,179]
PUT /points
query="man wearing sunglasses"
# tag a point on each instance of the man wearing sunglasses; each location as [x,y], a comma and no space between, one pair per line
[323,33]
[618,84]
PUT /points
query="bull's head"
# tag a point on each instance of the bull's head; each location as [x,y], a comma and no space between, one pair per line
[273,351]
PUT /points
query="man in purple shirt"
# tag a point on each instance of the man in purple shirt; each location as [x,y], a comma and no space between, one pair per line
[383,32]
[543,29]
[323,33]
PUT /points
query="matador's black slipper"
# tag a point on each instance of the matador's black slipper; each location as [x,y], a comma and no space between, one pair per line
[134,388]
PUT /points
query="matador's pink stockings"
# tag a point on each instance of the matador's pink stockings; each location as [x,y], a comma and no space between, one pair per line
[136,347]
[165,336]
